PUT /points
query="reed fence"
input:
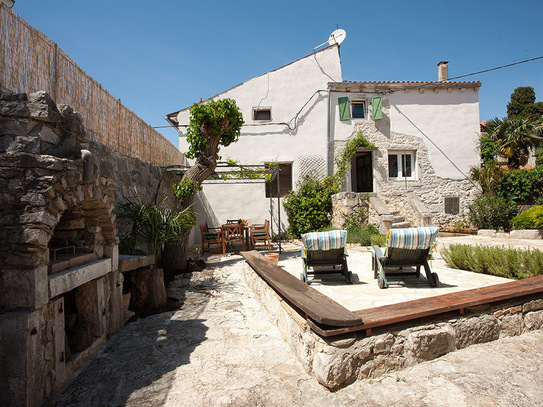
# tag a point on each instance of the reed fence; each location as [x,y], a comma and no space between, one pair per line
[30,62]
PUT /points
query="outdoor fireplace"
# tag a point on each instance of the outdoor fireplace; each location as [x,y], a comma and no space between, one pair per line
[60,287]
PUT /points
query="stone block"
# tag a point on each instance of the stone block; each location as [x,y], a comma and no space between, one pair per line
[486,232]
[502,235]
[479,329]
[129,262]
[41,107]
[510,325]
[430,343]
[23,289]
[48,135]
[68,280]
[527,234]
[534,305]
[14,104]
[533,320]
[112,251]
[14,127]
[333,370]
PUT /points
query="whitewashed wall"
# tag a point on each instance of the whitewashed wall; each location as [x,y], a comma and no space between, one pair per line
[286,90]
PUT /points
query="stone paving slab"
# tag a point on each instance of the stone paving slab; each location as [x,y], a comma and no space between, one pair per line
[219,349]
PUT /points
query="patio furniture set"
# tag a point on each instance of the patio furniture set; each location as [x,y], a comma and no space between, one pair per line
[235,231]
[324,254]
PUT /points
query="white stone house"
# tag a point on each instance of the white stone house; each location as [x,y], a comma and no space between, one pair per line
[302,114]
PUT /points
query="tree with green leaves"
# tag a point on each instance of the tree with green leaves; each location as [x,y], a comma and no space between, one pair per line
[212,125]
[523,104]
[512,138]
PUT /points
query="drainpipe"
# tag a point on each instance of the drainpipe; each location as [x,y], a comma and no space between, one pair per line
[328,135]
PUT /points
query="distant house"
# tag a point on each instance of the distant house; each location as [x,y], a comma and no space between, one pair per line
[302,114]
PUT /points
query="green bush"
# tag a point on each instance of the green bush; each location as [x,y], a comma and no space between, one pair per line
[530,219]
[310,204]
[497,261]
[521,186]
[491,212]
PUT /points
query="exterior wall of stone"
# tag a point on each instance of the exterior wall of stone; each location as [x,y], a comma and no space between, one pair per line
[338,361]
[427,186]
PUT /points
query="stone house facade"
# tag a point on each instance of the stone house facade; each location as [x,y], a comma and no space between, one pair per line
[302,115]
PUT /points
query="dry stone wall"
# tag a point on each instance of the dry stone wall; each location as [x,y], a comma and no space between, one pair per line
[338,361]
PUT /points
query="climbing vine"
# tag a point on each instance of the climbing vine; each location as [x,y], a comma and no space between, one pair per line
[309,206]
[343,160]
[265,172]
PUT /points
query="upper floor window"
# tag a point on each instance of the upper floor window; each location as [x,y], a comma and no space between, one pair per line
[401,165]
[262,113]
[358,109]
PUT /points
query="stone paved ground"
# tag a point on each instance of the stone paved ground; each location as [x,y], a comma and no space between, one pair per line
[219,349]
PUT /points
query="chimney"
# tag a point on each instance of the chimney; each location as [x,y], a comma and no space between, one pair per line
[443,71]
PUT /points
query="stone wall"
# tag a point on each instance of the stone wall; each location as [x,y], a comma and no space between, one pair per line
[56,184]
[338,361]
[427,186]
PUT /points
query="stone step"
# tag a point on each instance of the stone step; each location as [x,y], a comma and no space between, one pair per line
[401,225]
[398,219]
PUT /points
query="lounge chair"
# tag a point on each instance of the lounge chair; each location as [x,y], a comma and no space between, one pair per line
[407,248]
[210,236]
[324,253]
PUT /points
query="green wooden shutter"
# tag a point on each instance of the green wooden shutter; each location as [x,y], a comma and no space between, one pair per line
[343,104]
[377,108]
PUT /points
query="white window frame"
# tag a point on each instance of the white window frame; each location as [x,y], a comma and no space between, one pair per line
[262,109]
[399,159]
[364,103]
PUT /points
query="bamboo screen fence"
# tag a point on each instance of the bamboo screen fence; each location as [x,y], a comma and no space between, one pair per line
[29,62]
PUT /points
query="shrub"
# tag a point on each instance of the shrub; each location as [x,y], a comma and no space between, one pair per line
[364,235]
[530,219]
[309,205]
[521,186]
[497,261]
[491,212]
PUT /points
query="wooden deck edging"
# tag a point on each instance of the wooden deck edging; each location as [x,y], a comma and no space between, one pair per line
[316,306]
[328,318]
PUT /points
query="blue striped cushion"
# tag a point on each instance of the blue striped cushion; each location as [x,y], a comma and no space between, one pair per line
[412,238]
[334,239]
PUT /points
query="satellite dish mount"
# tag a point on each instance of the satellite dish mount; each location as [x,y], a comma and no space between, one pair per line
[337,37]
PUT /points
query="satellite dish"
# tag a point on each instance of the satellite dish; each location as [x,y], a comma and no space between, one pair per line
[337,37]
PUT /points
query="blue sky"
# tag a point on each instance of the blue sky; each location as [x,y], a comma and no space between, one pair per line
[161,56]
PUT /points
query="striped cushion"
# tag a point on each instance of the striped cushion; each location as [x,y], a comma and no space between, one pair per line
[334,239]
[412,238]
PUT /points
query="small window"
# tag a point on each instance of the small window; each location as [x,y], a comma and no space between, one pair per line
[358,109]
[401,165]
[262,114]
[285,182]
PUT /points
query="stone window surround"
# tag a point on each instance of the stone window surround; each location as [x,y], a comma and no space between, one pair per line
[402,153]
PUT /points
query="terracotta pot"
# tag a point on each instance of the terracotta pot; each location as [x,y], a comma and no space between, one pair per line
[274,257]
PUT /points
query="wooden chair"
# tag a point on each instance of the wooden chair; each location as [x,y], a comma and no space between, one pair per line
[406,248]
[209,236]
[260,233]
[324,253]
[232,233]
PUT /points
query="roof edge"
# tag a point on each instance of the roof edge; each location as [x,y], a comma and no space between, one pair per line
[171,115]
